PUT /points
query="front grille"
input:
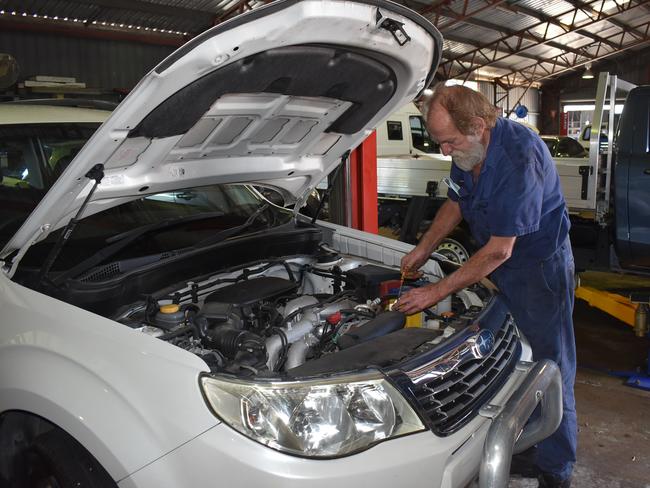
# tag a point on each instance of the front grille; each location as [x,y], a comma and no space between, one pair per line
[452,400]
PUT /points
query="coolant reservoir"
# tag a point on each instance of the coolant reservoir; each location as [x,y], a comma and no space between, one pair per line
[169,316]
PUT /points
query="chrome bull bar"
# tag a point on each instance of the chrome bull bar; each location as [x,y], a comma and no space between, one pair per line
[509,433]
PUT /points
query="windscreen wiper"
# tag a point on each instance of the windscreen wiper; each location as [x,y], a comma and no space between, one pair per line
[123,240]
[233,231]
[133,234]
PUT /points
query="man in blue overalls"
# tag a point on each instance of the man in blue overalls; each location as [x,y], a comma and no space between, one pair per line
[505,185]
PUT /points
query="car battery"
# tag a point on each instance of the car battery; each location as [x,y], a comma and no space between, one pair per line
[366,280]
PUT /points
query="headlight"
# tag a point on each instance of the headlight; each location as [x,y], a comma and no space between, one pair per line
[313,418]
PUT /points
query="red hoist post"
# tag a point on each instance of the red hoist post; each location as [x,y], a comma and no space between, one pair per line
[363,185]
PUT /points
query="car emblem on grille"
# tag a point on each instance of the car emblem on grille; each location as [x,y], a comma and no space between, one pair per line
[483,344]
[475,347]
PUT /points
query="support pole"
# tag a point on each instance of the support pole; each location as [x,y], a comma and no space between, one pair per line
[363,185]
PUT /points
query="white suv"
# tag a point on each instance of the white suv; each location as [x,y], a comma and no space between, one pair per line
[163,325]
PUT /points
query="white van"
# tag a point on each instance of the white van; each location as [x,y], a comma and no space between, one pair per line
[407,158]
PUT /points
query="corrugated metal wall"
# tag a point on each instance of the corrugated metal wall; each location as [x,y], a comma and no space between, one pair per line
[530,99]
[487,89]
[99,63]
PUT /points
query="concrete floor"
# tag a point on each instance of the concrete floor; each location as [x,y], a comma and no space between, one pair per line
[613,419]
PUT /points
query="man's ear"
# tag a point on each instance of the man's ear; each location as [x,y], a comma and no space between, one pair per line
[477,126]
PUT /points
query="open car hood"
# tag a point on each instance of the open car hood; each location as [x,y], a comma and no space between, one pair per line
[273,97]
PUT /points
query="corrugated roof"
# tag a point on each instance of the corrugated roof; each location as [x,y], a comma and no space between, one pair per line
[517,34]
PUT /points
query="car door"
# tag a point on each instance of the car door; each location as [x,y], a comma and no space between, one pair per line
[632,180]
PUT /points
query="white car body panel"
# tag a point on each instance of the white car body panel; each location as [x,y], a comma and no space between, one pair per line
[130,398]
[127,397]
[416,460]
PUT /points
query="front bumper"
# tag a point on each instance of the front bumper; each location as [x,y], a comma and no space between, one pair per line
[223,457]
[509,433]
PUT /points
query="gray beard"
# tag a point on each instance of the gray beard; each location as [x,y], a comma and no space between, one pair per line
[467,160]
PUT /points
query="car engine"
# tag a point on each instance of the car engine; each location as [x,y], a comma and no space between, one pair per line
[273,316]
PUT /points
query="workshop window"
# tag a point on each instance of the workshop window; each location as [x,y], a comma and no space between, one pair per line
[394,131]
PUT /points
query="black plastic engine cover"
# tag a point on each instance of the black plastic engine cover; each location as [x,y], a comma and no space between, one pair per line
[382,324]
[382,351]
[252,291]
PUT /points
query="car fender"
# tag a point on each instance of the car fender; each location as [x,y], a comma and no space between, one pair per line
[126,397]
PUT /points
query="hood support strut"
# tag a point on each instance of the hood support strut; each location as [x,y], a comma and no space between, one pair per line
[96,173]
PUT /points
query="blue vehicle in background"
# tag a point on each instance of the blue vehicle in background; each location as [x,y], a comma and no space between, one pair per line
[613,230]
[632,181]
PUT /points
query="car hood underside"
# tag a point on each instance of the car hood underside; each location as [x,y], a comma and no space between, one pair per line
[275,97]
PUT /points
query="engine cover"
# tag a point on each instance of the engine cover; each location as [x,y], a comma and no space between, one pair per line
[251,291]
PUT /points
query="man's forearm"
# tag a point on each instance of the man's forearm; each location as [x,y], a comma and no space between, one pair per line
[487,259]
[477,267]
[446,220]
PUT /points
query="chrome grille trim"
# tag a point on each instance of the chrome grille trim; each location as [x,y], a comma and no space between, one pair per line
[450,400]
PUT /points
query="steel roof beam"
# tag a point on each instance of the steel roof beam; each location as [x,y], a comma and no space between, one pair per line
[565,27]
[444,9]
[239,8]
[470,42]
[469,62]
[595,37]
[608,46]
[529,35]
[501,66]
[515,44]
[585,7]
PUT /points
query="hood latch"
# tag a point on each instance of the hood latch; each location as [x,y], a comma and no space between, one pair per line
[393,26]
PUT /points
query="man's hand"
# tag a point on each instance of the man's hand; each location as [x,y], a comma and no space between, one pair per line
[418,299]
[413,261]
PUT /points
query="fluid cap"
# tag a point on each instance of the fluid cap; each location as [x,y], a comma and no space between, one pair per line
[170,308]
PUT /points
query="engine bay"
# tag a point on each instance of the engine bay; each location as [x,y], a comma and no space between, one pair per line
[299,316]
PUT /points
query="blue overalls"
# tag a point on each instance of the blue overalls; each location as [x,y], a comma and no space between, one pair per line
[518,194]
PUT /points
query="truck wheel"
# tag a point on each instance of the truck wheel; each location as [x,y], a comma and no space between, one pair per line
[453,250]
[56,460]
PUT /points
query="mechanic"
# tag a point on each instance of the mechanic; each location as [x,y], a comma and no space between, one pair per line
[505,185]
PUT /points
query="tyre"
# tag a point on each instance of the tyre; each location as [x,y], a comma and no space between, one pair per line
[453,250]
[458,246]
[56,460]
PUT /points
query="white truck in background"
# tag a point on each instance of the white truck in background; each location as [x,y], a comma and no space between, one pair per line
[411,171]
[407,157]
